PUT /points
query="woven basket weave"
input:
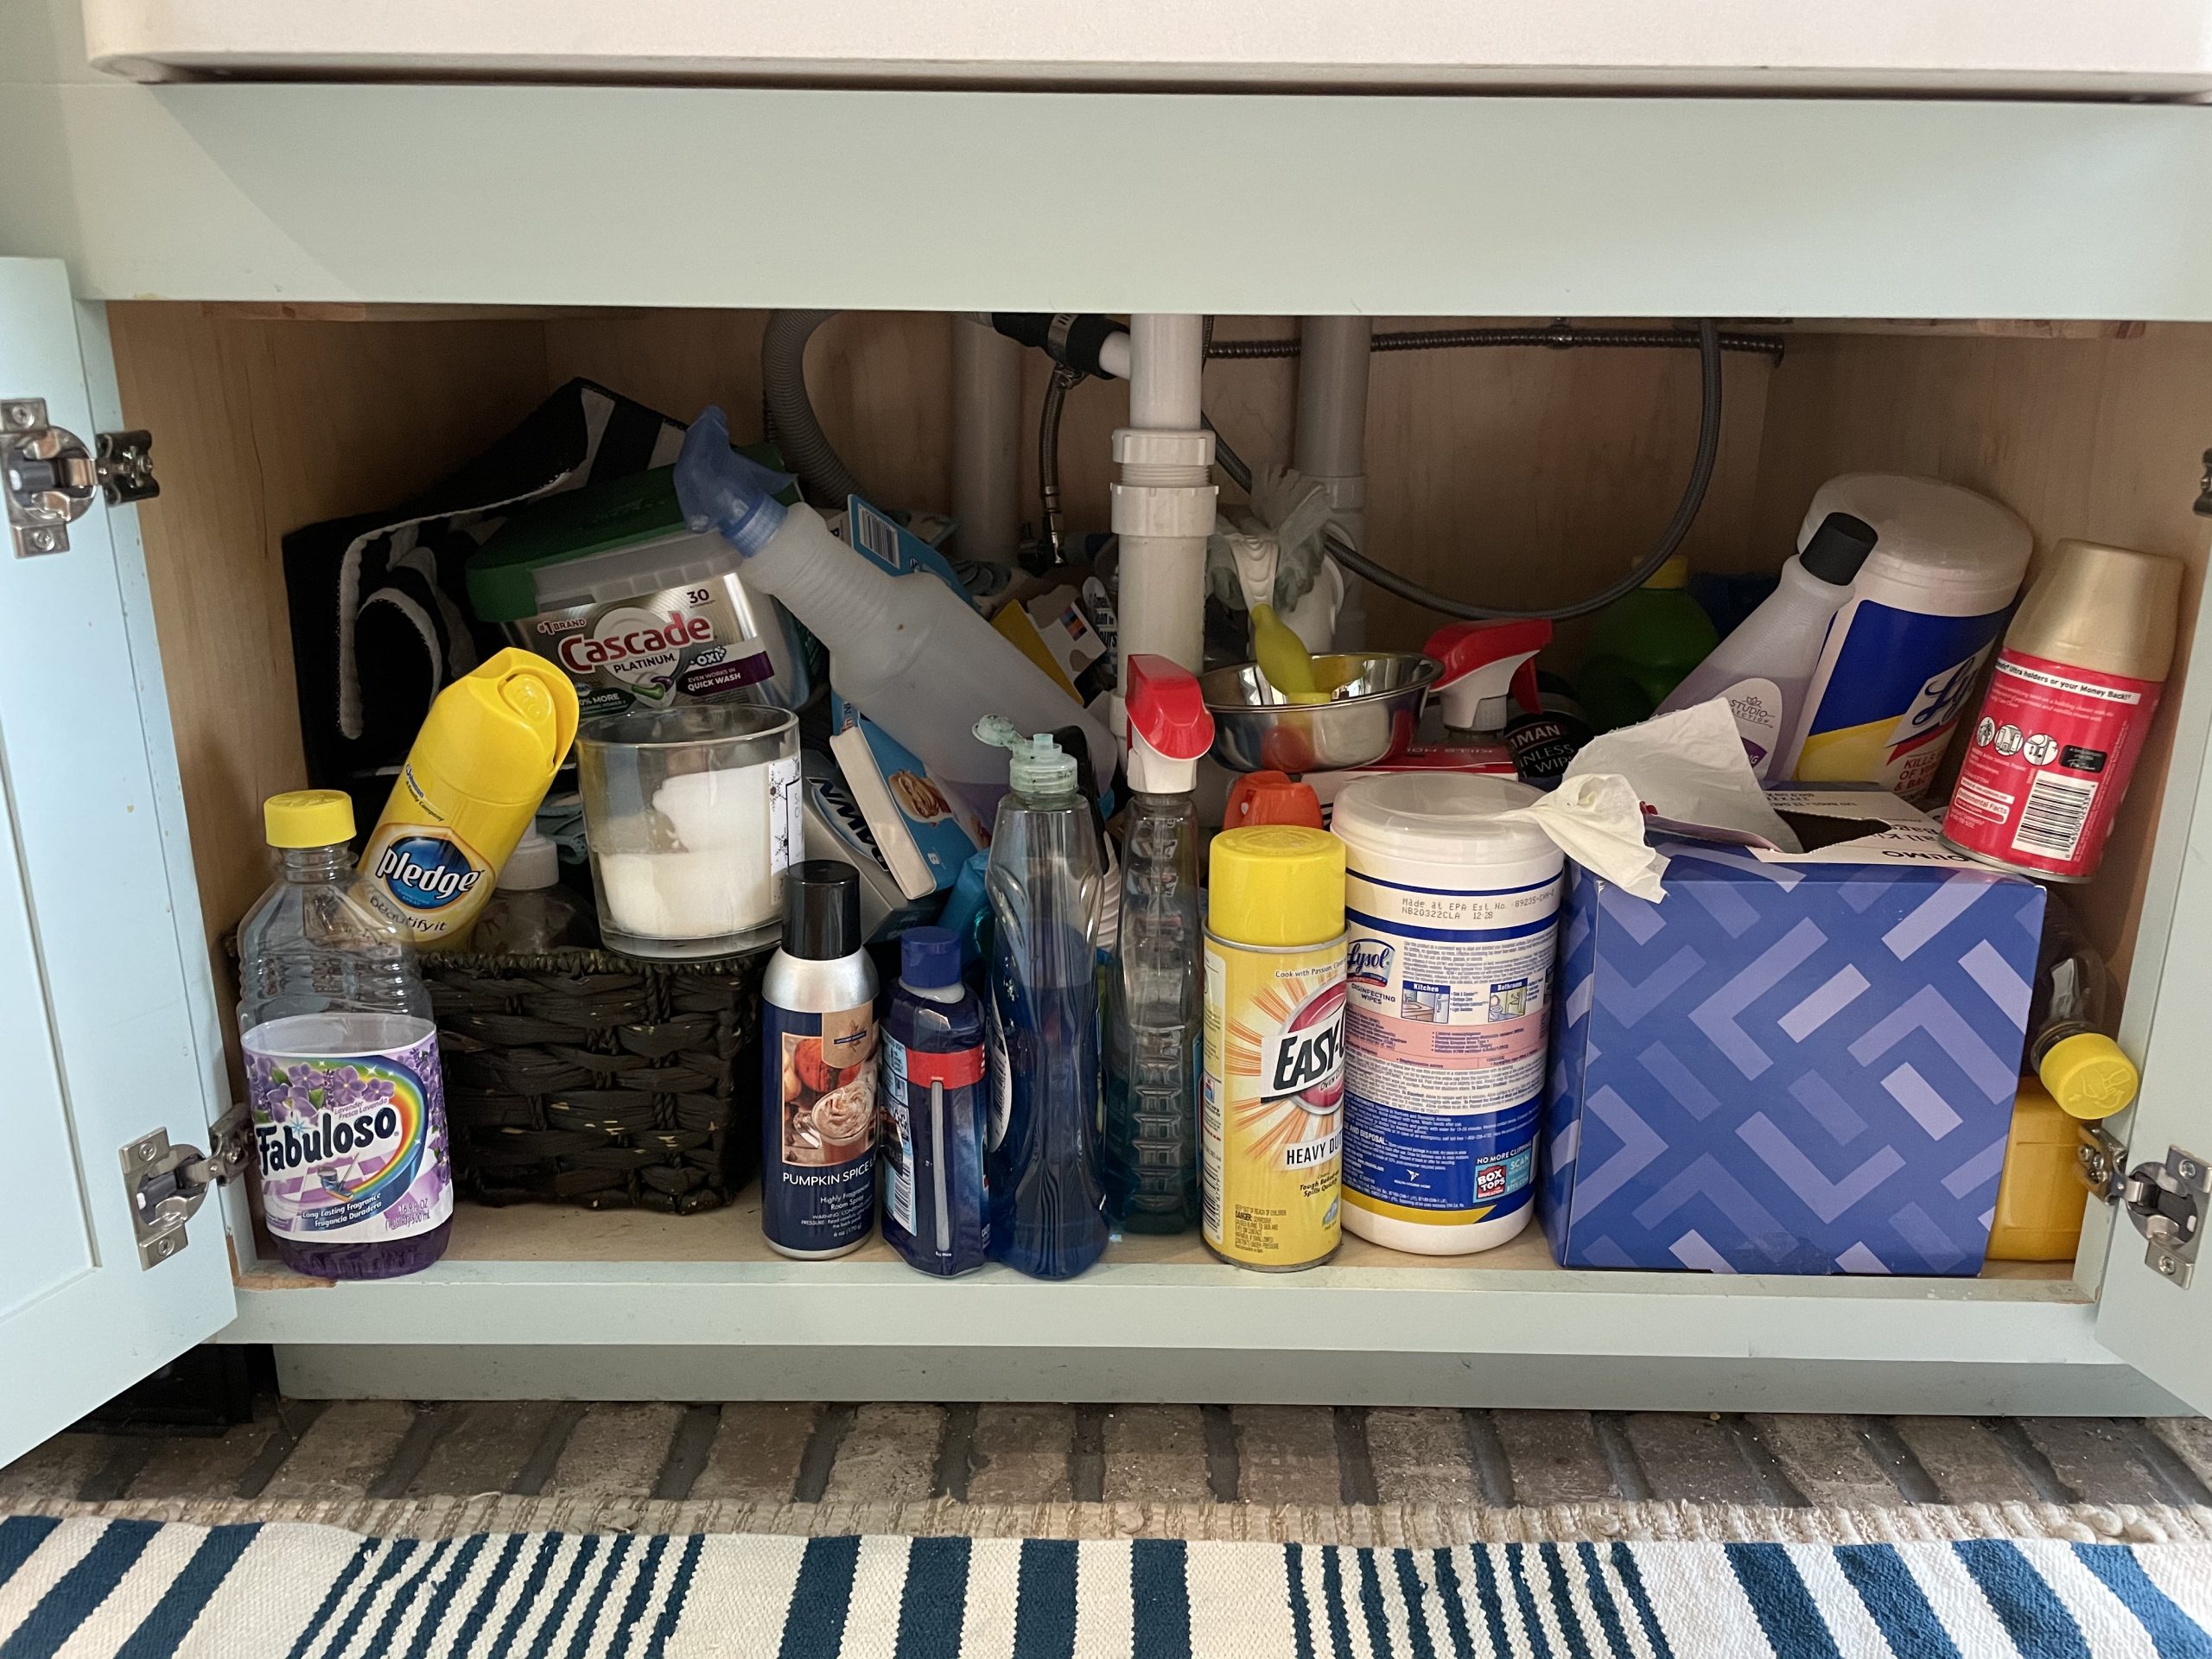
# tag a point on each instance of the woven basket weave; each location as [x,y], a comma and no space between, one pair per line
[583,1077]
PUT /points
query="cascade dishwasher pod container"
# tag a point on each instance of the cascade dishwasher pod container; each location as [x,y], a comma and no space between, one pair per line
[640,612]
[1905,652]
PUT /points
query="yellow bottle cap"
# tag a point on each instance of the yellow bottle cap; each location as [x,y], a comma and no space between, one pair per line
[1674,571]
[1277,884]
[309,817]
[2089,1075]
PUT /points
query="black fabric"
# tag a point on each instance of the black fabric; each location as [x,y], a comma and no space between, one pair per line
[379,602]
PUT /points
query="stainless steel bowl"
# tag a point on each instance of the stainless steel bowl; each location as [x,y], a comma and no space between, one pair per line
[1374,713]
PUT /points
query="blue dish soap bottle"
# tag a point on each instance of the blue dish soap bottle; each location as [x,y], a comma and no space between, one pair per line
[933,1110]
[1047,1214]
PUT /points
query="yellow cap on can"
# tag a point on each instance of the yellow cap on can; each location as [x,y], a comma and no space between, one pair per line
[309,817]
[2089,1075]
[1276,884]
[1674,571]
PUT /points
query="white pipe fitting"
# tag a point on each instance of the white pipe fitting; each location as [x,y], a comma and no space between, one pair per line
[1163,499]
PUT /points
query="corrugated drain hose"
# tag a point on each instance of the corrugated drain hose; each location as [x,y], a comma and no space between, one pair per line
[1686,511]
[807,449]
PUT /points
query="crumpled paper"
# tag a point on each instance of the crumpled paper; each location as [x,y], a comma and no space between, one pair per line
[1689,768]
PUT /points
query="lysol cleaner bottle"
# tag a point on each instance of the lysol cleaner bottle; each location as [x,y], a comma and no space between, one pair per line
[817,1059]
[1271,1141]
[1048,1205]
[341,1061]
[1153,1015]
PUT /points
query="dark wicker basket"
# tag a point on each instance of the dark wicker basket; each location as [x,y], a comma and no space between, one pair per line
[583,1077]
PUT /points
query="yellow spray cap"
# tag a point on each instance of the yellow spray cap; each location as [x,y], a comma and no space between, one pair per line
[2089,1075]
[309,817]
[1277,884]
[500,732]
[1674,571]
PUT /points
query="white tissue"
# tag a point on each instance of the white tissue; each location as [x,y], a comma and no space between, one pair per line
[1597,822]
[1688,768]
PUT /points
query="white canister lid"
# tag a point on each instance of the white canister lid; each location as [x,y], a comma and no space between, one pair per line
[1935,536]
[1435,819]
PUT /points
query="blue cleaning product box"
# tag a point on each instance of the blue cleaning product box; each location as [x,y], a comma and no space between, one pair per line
[923,830]
[1793,1063]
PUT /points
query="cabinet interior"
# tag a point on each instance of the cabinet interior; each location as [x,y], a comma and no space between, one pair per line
[1524,474]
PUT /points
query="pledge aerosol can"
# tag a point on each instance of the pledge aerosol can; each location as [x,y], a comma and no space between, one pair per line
[1271,1104]
[472,781]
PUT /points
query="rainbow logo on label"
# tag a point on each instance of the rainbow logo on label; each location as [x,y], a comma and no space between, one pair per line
[334,1118]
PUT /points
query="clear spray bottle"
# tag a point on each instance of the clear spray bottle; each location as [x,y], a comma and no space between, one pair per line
[1041,1020]
[1154,1025]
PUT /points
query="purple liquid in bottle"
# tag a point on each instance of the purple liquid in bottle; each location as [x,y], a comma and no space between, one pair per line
[342,1072]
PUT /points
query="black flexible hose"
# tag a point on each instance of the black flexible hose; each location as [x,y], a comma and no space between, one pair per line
[1686,512]
[1562,335]
[823,476]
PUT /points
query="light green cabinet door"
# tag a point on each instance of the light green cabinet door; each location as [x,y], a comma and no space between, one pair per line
[106,1018]
[2155,1308]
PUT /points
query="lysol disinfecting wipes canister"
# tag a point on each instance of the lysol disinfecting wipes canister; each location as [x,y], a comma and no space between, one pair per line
[1452,919]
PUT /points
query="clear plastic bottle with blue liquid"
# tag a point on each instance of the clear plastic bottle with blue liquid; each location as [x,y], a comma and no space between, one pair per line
[1048,1215]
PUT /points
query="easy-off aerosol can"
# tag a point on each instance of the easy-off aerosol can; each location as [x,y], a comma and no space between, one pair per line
[1271,1110]
[480,767]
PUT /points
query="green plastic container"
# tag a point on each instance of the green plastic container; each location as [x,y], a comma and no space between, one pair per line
[1643,645]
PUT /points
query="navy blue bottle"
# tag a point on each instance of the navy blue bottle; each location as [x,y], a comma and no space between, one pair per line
[934,1114]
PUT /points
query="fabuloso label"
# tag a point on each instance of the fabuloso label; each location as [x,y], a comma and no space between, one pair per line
[1271,1102]
[351,1148]
[1447,1000]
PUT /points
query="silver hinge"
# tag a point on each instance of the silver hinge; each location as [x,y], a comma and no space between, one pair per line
[168,1183]
[2168,1202]
[51,476]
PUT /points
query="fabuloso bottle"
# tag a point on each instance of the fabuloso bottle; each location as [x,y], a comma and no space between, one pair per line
[479,766]
[341,1061]
[818,1056]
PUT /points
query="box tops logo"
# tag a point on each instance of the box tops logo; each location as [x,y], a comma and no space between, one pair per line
[426,871]
[1366,962]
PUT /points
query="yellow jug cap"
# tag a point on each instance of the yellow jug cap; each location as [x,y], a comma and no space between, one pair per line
[2089,1075]
[309,817]
[1276,884]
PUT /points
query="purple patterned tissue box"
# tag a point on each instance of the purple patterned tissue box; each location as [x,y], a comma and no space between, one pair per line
[1792,1064]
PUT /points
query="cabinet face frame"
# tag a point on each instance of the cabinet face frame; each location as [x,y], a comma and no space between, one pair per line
[1483,207]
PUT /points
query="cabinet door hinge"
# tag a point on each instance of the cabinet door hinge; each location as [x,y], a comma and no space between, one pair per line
[51,476]
[168,1183]
[2168,1201]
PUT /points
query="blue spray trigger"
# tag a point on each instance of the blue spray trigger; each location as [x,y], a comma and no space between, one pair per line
[723,491]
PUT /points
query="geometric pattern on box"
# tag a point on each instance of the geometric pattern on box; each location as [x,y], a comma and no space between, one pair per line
[1799,1069]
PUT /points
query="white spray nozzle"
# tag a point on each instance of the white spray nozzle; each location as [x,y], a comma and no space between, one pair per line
[1038,766]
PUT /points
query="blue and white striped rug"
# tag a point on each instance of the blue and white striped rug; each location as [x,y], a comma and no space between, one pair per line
[72,1589]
